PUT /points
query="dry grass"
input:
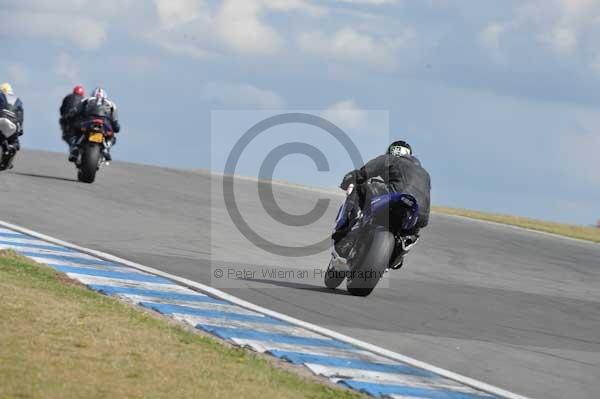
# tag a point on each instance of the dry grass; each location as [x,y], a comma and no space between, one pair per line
[581,232]
[61,340]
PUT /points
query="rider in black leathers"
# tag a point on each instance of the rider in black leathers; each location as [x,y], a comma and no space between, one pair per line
[399,171]
[69,123]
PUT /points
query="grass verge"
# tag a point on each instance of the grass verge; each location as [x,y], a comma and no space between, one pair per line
[580,232]
[61,340]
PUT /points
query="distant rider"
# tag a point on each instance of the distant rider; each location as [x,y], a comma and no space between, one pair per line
[11,124]
[69,122]
[98,106]
[398,170]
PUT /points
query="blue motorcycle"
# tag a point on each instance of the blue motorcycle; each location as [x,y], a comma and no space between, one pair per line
[381,238]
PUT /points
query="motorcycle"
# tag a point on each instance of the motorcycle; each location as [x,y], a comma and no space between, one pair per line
[380,241]
[93,144]
[7,130]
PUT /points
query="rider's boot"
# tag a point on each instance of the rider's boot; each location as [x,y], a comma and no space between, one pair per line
[338,262]
[73,152]
[106,154]
[407,243]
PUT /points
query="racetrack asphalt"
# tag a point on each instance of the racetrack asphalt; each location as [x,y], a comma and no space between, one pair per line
[513,308]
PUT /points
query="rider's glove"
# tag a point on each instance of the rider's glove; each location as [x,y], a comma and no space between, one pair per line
[357,176]
[349,178]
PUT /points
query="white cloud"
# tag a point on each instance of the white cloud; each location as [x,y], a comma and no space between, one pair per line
[560,25]
[81,22]
[242,96]
[242,30]
[106,8]
[490,39]
[577,6]
[191,27]
[296,5]
[85,32]
[67,68]
[346,114]
[350,45]
[186,27]
[172,13]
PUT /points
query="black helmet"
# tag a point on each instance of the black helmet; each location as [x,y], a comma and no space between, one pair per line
[399,149]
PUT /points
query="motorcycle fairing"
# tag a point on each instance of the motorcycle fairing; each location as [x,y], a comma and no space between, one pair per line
[382,203]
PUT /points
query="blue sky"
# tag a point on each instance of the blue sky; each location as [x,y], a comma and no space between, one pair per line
[499,98]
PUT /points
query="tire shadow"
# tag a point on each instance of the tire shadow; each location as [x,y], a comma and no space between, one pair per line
[38,176]
[298,286]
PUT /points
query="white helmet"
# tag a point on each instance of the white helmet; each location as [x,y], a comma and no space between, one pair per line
[99,93]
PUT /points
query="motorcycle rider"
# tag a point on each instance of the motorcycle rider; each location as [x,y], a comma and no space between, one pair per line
[69,124]
[398,170]
[11,123]
[98,106]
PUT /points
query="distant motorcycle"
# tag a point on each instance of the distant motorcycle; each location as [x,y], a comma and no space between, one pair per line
[380,244]
[96,140]
[7,130]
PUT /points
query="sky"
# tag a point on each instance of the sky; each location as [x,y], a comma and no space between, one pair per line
[498,98]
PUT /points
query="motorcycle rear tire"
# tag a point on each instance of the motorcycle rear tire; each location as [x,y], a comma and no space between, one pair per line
[90,158]
[371,266]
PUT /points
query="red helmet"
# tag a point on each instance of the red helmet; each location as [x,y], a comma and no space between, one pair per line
[79,90]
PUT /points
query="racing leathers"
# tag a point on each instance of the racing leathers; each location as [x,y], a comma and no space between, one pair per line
[69,121]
